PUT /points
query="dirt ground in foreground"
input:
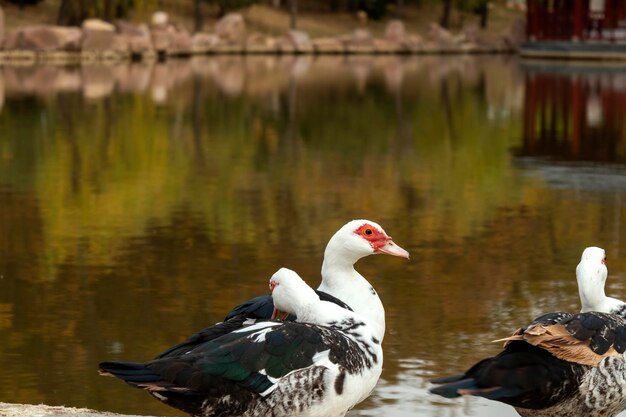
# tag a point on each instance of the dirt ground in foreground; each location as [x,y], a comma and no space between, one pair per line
[28,410]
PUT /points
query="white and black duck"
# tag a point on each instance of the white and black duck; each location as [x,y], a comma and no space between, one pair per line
[341,284]
[560,365]
[319,368]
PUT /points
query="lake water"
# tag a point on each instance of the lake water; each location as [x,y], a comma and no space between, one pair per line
[138,203]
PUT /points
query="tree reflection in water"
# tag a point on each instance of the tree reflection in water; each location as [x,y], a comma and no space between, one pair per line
[140,202]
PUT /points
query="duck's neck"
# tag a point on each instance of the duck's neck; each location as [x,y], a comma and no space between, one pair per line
[591,291]
[340,279]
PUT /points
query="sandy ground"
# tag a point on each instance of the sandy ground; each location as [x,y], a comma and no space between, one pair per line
[23,410]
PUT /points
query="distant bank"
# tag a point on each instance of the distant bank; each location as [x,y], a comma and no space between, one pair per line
[97,40]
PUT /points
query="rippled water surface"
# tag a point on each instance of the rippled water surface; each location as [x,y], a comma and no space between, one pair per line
[139,203]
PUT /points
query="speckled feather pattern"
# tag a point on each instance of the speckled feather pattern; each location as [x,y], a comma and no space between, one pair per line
[601,393]
[298,392]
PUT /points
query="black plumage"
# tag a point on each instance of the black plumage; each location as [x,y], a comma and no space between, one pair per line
[205,335]
[528,374]
[522,376]
[258,308]
[243,366]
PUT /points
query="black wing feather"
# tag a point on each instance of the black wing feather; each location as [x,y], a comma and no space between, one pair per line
[522,376]
[205,335]
[602,330]
[258,308]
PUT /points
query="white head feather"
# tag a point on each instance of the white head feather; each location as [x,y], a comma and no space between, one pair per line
[294,296]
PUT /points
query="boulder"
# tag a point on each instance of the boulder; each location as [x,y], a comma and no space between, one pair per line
[439,34]
[470,34]
[98,36]
[119,48]
[202,43]
[261,44]
[395,31]
[328,46]
[180,41]
[160,39]
[361,37]
[44,38]
[172,40]
[366,49]
[231,28]
[414,43]
[385,46]
[300,40]
[97,24]
[285,46]
[137,38]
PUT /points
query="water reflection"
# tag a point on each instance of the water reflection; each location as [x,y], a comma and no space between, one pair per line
[231,75]
[575,113]
[140,202]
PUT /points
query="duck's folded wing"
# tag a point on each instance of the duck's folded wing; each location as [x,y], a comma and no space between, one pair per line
[253,358]
[205,335]
[584,338]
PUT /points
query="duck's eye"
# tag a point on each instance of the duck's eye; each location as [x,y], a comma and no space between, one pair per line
[368,231]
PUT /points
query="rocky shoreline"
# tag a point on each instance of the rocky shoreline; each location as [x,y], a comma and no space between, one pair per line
[31,410]
[97,40]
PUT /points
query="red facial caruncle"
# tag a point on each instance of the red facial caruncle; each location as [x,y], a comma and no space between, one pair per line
[376,238]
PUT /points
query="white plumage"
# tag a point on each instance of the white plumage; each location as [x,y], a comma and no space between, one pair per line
[591,275]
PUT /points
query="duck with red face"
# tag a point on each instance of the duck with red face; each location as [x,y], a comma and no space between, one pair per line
[341,284]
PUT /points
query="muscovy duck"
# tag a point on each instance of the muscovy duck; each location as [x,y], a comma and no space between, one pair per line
[321,367]
[341,284]
[560,365]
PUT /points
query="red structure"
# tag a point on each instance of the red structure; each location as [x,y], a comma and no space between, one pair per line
[576,20]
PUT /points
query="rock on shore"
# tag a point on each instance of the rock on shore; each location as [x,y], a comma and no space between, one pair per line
[28,410]
[123,40]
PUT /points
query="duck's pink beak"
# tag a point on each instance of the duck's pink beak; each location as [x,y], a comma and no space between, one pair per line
[390,248]
[280,315]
